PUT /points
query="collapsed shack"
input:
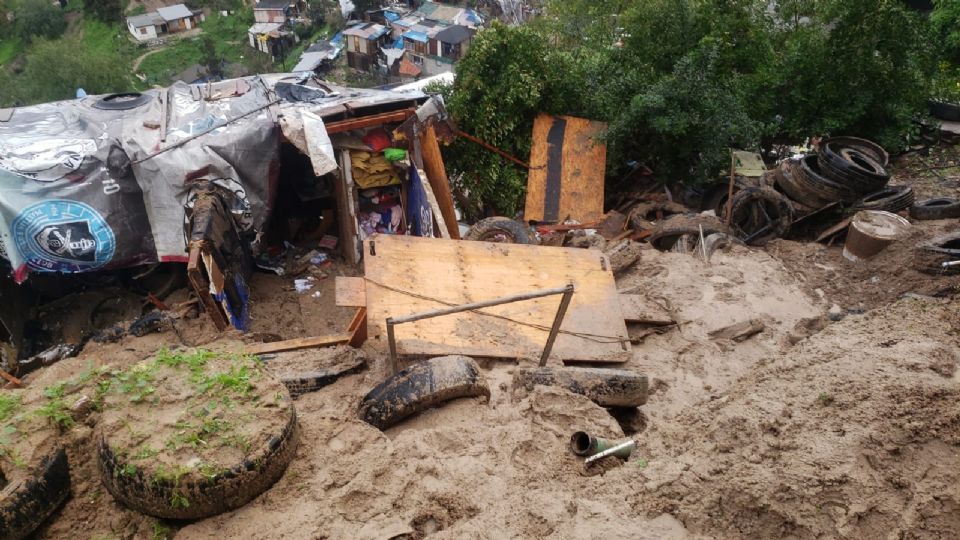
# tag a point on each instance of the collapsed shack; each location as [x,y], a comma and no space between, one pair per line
[210,176]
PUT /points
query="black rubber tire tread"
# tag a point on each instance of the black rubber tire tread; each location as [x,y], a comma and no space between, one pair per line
[937,208]
[225,491]
[25,504]
[788,183]
[518,232]
[890,199]
[871,149]
[311,381]
[851,174]
[605,387]
[647,211]
[744,199]
[113,102]
[421,386]
[826,190]
[666,232]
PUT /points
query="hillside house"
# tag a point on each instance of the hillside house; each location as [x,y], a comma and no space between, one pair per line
[363,44]
[270,33]
[166,20]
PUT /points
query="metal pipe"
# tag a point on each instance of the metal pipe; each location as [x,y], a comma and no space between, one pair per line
[557,321]
[950,263]
[566,291]
[621,450]
[584,444]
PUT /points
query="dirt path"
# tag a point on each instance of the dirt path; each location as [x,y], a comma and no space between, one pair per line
[139,60]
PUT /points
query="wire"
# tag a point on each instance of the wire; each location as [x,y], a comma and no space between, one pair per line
[597,338]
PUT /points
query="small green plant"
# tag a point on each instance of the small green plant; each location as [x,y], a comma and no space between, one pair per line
[128,469]
[177,500]
[145,453]
[57,412]
[210,470]
[9,404]
[641,463]
[825,399]
[161,531]
[136,382]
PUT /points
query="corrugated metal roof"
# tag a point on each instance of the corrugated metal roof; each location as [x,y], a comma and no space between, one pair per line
[146,19]
[454,34]
[366,30]
[416,36]
[172,13]
[264,28]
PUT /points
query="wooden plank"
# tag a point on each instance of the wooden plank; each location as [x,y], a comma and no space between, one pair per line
[636,308]
[358,327]
[368,121]
[198,280]
[299,343]
[347,210]
[439,224]
[350,291]
[13,380]
[740,331]
[407,275]
[437,177]
[567,168]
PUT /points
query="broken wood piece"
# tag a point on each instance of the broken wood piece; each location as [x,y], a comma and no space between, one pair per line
[152,298]
[623,254]
[351,124]
[350,291]
[740,331]
[437,177]
[637,309]
[439,224]
[13,380]
[358,327]
[299,343]
[836,229]
[564,227]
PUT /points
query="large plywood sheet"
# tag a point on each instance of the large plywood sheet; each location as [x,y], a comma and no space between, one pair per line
[567,167]
[406,275]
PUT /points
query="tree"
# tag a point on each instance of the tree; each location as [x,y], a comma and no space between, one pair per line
[106,10]
[56,68]
[39,18]
[210,59]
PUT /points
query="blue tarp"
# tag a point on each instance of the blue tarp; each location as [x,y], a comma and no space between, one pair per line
[416,36]
[378,33]
[337,38]
[397,43]
[474,17]
[391,16]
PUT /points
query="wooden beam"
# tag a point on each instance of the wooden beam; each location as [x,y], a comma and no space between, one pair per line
[439,224]
[437,177]
[198,280]
[368,121]
[358,327]
[299,343]
[13,380]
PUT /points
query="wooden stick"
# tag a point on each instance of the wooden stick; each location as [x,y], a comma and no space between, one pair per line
[733,168]
[368,121]
[437,177]
[491,148]
[13,380]
[300,343]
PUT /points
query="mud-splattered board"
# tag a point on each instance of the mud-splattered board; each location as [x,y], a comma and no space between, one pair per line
[407,275]
[567,164]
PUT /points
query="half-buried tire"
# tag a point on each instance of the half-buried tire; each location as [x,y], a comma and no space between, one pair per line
[421,386]
[191,435]
[26,502]
[605,387]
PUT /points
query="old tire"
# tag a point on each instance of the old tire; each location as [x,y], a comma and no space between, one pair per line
[890,199]
[938,208]
[502,230]
[787,182]
[755,209]
[205,496]
[649,211]
[121,102]
[851,167]
[26,503]
[421,386]
[824,189]
[605,387]
[871,149]
[666,233]
[302,383]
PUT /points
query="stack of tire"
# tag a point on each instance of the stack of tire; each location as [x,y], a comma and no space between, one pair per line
[845,170]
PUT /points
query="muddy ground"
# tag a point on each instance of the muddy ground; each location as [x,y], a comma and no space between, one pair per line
[840,426]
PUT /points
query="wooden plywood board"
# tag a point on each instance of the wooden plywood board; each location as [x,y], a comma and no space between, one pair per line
[567,167]
[350,291]
[407,275]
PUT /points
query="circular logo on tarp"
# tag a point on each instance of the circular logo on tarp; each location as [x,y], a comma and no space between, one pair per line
[63,236]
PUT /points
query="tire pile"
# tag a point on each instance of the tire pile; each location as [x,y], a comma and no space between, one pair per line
[845,170]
